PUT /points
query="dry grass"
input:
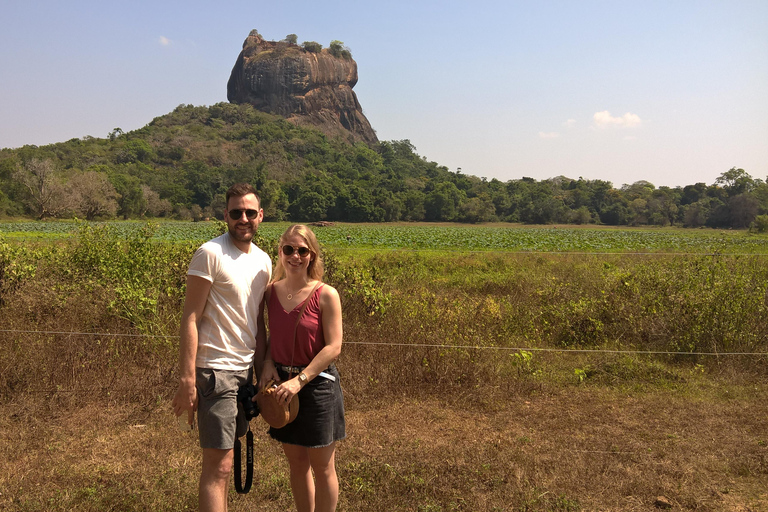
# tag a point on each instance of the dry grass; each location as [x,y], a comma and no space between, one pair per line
[702,443]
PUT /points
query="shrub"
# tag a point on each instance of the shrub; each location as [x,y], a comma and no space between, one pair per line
[312,46]
[761,223]
[338,49]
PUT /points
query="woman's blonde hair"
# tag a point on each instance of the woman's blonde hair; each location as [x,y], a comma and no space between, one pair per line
[316,269]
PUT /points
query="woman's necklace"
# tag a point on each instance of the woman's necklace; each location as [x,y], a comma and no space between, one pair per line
[290,295]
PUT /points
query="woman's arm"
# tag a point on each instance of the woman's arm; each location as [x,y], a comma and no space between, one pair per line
[330,310]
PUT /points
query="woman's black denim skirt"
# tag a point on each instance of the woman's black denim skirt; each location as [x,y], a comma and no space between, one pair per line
[320,421]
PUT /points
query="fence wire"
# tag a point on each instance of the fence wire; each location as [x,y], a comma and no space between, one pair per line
[422,345]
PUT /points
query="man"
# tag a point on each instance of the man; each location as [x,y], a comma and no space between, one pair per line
[222,336]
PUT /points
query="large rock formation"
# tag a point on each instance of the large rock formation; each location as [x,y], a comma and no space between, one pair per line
[308,88]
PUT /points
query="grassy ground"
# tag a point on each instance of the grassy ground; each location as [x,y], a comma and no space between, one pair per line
[473,381]
[702,443]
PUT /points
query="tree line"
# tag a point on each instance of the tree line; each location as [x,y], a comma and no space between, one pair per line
[180,164]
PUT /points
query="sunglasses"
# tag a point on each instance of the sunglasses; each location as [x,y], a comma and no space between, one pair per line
[235,214]
[289,250]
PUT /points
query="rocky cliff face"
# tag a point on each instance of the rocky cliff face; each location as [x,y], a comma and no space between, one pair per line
[307,88]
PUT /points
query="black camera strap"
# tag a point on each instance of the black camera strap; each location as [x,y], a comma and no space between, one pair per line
[249,463]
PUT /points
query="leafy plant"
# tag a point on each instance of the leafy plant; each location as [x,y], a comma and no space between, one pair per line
[17,264]
[525,365]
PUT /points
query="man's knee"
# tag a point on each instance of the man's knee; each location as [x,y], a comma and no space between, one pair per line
[217,464]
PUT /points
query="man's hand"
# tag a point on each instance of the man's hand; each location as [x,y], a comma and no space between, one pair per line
[185,400]
[268,372]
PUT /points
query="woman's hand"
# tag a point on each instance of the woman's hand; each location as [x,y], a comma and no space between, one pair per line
[287,389]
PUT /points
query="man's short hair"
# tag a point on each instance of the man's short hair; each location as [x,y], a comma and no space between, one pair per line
[240,190]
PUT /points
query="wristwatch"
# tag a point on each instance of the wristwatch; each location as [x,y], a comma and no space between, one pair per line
[302,378]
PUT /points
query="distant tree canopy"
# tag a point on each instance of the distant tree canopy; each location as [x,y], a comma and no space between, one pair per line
[180,165]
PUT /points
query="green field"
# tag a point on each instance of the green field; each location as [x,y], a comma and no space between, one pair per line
[514,238]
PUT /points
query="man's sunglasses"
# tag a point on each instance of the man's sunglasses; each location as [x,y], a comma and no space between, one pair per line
[235,214]
[289,250]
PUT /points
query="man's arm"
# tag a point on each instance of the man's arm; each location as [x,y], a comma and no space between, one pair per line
[194,304]
[261,342]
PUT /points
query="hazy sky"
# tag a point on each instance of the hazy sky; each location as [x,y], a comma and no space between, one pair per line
[673,92]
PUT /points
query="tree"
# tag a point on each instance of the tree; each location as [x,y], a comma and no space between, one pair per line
[137,150]
[581,216]
[692,193]
[94,194]
[695,214]
[291,38]
[390,204]
[640,189]
[338,49]
[761,194]
[413,204]
[355,204]
[614,215]
[130,199]
[156,207]
[719,215]
[761,223]
[274,201]
[310,206]
[203,182]
[662,206]
[442,203]
[743,209]
[478,209]
[47,196]
[638,212]
[736,181]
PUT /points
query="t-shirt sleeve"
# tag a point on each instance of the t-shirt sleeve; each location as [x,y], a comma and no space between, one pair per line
[203,264]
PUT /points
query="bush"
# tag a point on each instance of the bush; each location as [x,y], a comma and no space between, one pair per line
[338,49]
[761,224]
[312,46]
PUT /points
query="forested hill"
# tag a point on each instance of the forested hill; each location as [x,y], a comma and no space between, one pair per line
[180,165]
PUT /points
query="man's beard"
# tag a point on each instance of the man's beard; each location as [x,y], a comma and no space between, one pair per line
[247,237]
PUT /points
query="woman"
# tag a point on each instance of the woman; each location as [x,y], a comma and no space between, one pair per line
[305,367]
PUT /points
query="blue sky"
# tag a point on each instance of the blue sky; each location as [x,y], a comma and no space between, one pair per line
[672,92]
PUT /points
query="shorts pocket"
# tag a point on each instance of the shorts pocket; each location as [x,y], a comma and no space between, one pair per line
[205,381]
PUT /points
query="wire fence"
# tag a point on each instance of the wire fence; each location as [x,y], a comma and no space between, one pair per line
[422,345]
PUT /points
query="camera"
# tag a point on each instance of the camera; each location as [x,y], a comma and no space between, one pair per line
[245,395]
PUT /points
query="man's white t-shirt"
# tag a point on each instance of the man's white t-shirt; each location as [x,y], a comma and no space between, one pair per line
[227,330]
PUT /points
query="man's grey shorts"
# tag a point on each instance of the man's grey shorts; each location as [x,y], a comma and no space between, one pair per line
[219,417]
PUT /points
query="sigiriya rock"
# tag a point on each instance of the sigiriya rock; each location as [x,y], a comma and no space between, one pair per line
[309,87]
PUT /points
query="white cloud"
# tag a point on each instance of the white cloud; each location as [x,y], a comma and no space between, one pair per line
[569,123]
[604,119]
[164,41]
[548,135]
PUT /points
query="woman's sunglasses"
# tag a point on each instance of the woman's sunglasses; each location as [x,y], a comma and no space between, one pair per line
[235,214]
[289,250]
